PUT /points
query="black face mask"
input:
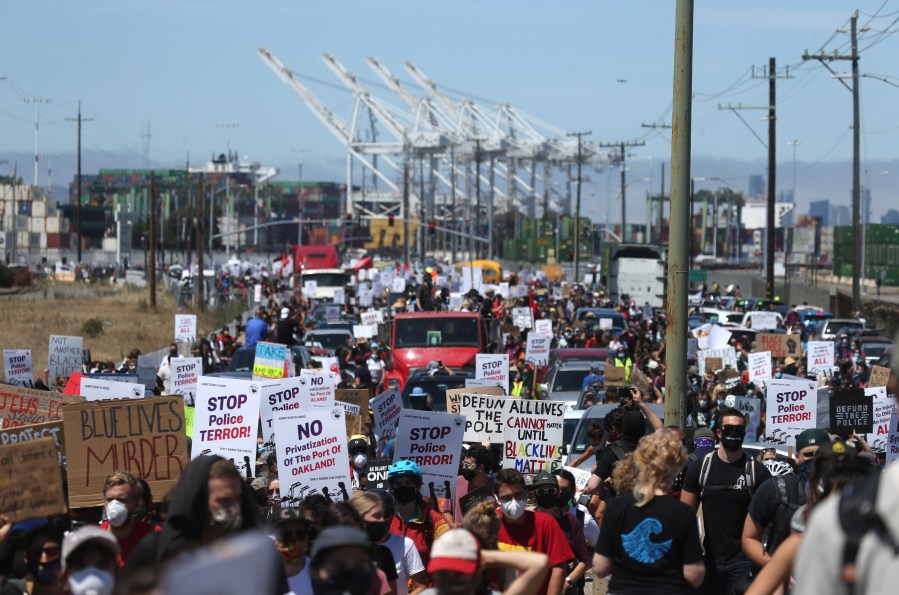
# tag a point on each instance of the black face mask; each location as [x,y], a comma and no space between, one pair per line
[45,574]
[404,494]
[564,498]
[377,530]
[732,437]
[468,474]
[356,581]
[546,500]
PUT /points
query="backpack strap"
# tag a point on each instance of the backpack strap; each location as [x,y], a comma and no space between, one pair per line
[749,475]
[705,469]
[617,451]
[781,484]
[858,515]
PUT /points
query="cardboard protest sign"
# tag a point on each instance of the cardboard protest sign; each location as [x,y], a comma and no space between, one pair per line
[96,389]
[791,408]
[878,438]
[31,482]
[358,397]
[544,326]
[751,408]
[537,350]
[270,361]
[65,356]
[434,441]
[763,321]
[475,496]
[879,376]
[454,395]
[613,376]
[893,445]
[376,475]
[851,410]
[319,386]
[386,408]
[52,429]
[728,356]
[312,454]
[18,367]
[820,358]
[483,417]
[186,371]
[714,364]
[780,346]
[20,406]
[523,318]
[760,367]
[533,435]
[142,436]
[226,419]
[185,328]
[492,367]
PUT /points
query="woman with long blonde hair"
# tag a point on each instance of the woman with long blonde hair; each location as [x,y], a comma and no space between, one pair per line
[649,541]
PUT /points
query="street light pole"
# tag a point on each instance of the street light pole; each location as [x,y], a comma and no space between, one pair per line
[577,211]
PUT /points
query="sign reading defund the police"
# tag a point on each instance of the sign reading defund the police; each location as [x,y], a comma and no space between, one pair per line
[820,358]
[484,415]
[884,406]
[142,436]
[434,441]
[312,454]
[533,435]
[492,367]
[186,371]
[185,328]
[17,363]
[65,355]
[538,349]
[225,421]
[792,408]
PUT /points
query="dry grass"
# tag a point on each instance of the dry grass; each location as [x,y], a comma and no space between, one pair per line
[27,321]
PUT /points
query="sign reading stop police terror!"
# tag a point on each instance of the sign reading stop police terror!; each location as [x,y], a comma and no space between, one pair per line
[225,421]
[792,408]
[533,435]
[186,371]
[492,367]
[434,441]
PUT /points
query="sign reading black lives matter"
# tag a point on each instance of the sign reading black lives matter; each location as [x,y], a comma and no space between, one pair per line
[851,410]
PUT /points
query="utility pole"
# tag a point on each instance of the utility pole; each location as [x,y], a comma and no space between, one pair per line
[662,195]
[406,209]
[201,303]
[80,120]
[622,146]
[824,59]
[577,208]
[678,223]
[476,220]
[15,213]
[152,241]
[36,101]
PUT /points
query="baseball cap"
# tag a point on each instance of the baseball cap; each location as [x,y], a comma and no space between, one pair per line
[704,432]
[455,550]
[543,478]
[812,437]
[285,515]
[338,536]
[260,483]
[88,534]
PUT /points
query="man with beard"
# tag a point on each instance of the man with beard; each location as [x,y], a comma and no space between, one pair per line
[724,481]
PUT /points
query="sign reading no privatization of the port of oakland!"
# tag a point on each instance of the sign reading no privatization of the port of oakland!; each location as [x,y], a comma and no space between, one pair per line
[65,355]
[533,435]
[270,361]
[185,328]
[186,371]
[792,408]
[492,367]
[320,387]
[434,441]
[312,454]
[19,370]
[225,421]
[99,389]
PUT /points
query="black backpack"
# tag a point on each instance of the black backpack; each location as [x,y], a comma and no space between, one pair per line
[858,517]
[607,492]
[748,472]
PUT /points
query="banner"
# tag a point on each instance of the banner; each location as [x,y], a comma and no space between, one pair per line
[492,367]
[543,326]
[20,406]
[484,416]
[142,436]
[533,435]
[312,454]
[763,321]
[97,389]
[270,361]
[760,368]
[751,408]
[728,356]
[879,376]
[454,395]
[65,356]
[185,328]
[186,371]
[780,346]
[386,408]
[851,410]
[434,441]
[820,358]
[878,439]
[537,351]
[31,482]
[225,421]
[51,429]
[19,370]
[791,408]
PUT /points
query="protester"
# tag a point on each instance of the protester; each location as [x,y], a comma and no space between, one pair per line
[376,512]
[477,462]
[121,492]
[415,518]
[342,563]
[548,496]
[290,532]
[90,558]
[43,561]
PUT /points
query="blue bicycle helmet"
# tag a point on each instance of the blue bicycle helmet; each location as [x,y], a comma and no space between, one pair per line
[404,467]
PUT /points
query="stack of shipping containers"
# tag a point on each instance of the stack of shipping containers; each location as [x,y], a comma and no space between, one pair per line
[881,252]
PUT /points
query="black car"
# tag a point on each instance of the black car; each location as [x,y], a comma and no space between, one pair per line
[436,386]
[241,364]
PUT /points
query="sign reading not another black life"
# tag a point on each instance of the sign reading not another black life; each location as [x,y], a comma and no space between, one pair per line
[851,410]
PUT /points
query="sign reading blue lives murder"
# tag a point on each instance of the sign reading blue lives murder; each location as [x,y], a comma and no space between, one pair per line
[434,441]
[312,454]
[533,435]
[225,421]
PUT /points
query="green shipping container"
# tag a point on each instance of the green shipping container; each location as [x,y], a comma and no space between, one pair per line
[882,234]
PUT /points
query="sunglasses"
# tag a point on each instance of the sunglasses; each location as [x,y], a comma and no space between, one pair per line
[466,465]
[546,491]
[509,497]
[52,551]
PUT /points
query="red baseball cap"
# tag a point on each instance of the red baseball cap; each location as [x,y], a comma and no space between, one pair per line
[455,550]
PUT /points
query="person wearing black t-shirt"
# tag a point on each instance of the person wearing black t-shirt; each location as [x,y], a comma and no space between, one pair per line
[649,541]
[724,482]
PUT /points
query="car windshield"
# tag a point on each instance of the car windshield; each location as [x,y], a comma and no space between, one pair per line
[326,279]
[580,442]
[437,391]
[437,332]
[875,349]
[330,341]
[569,380]
[568,427]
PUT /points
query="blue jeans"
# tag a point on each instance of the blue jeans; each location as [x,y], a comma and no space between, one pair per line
[721,578]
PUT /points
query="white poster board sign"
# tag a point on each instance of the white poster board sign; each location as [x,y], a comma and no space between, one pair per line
[312,454]
[186,372]
[750,407]
[493,367]
[533,435]
[225,422]
[434,441]
[372,317]
[364,331]
[18,367]
[386,409]
[96,389]
[884,406]
[760,368]
[471,279]
[484,417]
[398,285]
[310,289]
[65,356]
[820,358]
[763,321]
[320,387]
[792,408]
[544,326]
[185,328]
[727,355]
[522,318]
[339,296]
[537,350]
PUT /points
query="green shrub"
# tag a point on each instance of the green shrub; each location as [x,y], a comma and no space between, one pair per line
[92,327]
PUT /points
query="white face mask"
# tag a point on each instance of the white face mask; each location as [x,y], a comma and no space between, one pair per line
[91,581]
[514,509]
[116,513]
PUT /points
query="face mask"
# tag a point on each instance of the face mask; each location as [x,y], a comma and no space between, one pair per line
[45,573]
[360,460]
[173,353]
[404,494]
[564,498]
[732,437]
[225,520]
[91,581]
[778,374]
[274,500]
[620,356]
[805,468]
[377,530]
[514,509]
[356,581]
[720,402]
[468,474]
[546,500]
[293,551]
[116,513]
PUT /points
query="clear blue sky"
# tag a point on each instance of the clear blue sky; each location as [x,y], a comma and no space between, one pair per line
[185,66]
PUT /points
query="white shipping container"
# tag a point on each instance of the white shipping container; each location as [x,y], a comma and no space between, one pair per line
[39,208]
[22,239]
[43,241]
[36,224]
[53,225]
[109,244]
